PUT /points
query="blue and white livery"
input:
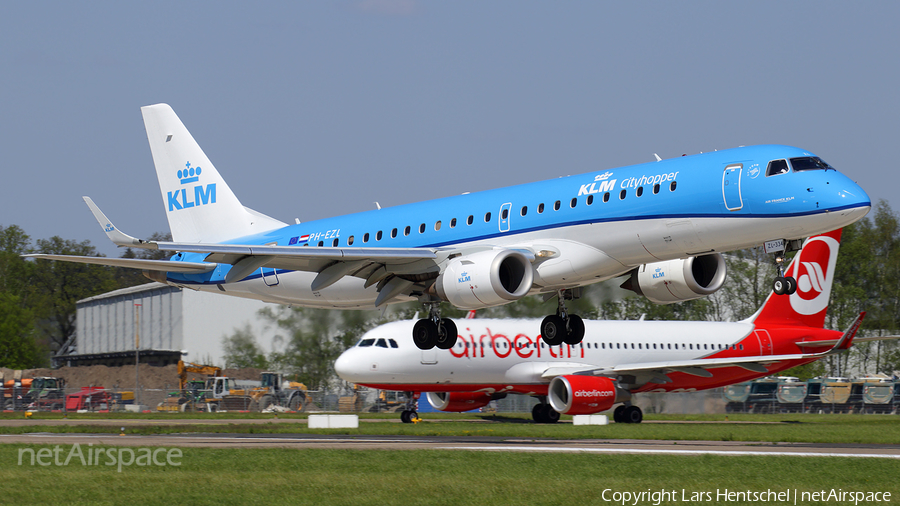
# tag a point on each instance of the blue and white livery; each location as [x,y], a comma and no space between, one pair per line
[663,223]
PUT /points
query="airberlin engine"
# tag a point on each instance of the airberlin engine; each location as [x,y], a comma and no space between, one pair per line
[486,278]
[458,401]
[581,395]
[678,280]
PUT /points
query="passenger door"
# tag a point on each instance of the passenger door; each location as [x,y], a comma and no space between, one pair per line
[731,187]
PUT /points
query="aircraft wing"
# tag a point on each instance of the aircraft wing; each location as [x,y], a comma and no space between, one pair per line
[375,265]
[132,263]
[331,264]
[656,372]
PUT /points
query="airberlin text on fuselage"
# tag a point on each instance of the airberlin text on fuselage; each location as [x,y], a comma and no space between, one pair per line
[503,346]
[603,184]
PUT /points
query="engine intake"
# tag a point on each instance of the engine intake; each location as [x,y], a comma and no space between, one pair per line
[486,278]
[678,280]
[458,401]
[581,395]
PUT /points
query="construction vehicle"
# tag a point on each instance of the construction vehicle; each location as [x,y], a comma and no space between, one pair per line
[191,394]
[218,393]
[33,393]
[89,399]
[389,402]
[272,390]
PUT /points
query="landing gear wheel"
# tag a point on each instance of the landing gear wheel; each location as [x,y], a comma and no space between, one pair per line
[447,334]
[779,286]
[632,414]
[537,413]
[791,285]
[619,414]
[425,334]
[550,414]
[575,330]
[404,416]
[553,330]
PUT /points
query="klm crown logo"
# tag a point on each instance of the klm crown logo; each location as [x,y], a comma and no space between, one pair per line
[189,174]
[464,278]
[202,195]
[659,273]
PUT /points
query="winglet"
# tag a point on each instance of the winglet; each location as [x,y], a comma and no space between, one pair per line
[847,339]
[114,234]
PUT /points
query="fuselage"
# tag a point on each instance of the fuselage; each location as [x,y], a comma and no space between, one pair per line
[601,224]
[505,355]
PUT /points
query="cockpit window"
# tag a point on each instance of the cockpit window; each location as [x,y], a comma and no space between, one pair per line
[809,163]
[366,342]
[381,343]
[393,343]
[777,167]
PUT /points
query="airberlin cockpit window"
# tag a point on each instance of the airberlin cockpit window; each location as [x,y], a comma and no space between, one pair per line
[809,163]
[366,342]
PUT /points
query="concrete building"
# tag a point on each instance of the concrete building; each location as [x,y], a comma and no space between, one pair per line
[168,324]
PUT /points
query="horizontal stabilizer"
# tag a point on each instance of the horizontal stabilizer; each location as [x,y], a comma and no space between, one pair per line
[132,263]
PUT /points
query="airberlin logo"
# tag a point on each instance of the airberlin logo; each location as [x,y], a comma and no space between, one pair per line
[814,271]
[593,393]
[183,199]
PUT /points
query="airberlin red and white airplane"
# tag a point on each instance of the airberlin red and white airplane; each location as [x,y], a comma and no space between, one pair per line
[616,359]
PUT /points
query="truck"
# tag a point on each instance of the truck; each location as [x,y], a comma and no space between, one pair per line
[43,393]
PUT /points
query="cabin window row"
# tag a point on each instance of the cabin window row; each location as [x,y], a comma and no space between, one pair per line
[504,214]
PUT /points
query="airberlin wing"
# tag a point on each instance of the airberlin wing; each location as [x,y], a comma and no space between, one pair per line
[832,342]
[132,263]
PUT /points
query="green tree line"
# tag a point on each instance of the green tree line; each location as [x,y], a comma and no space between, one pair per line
[37,298]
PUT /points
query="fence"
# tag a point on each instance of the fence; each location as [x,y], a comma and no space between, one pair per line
[170,399]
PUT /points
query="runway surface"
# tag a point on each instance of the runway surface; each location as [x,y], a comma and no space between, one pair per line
[598,446]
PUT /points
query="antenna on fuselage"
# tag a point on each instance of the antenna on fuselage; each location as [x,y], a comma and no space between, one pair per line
[658,159]
[378,206]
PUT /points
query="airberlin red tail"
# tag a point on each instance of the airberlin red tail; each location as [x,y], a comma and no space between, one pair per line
[813,269]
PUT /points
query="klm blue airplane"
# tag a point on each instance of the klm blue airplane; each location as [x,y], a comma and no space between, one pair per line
[663,224]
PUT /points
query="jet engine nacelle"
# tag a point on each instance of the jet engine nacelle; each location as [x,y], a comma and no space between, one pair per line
[581,395]
[486,278]
[458,401]
[678,280]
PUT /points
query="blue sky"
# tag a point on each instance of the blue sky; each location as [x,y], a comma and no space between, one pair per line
[312,109]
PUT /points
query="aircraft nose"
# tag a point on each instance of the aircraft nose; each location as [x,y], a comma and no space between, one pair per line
[344,365]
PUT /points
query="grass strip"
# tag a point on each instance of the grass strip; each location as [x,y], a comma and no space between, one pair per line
[312,476]
[871,429]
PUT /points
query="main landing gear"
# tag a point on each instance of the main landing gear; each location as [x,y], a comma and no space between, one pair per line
[628,414]
[543,413]
[409,414]
[434,330]
[563,327]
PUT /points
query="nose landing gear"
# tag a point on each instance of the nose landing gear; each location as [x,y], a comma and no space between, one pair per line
[784,284]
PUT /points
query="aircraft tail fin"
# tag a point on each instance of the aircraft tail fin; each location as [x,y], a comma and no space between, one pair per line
[200,205]
[813,269]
